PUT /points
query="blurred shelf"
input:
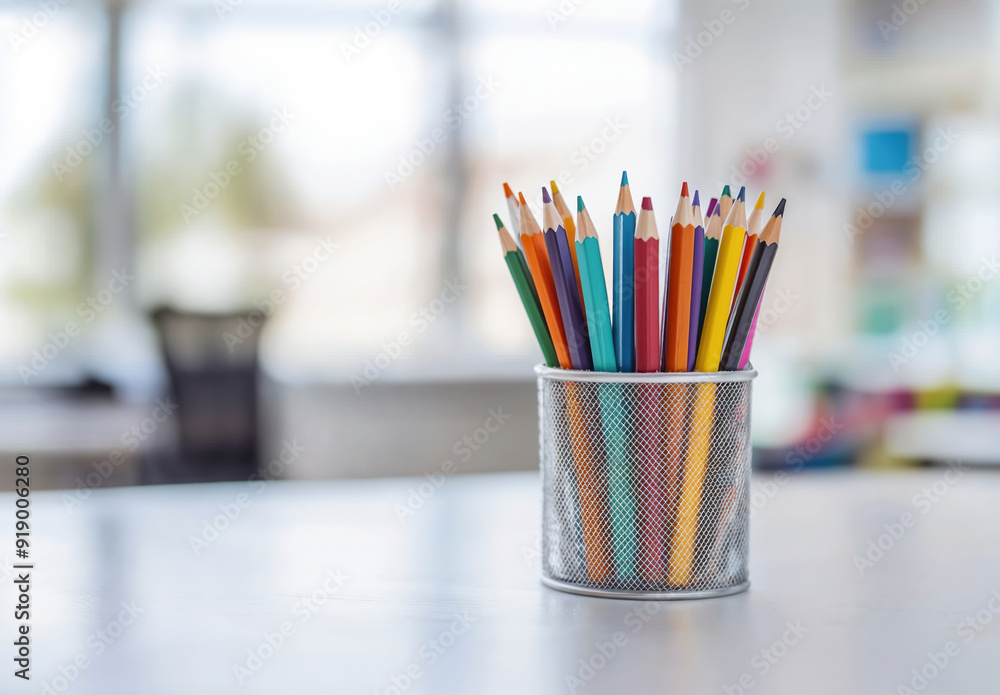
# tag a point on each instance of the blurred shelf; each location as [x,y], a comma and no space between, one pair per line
[968,437]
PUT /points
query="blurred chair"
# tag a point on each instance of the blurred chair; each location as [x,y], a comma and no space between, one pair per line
[212,367]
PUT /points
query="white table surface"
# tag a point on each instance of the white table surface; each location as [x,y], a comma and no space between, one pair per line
[466,562]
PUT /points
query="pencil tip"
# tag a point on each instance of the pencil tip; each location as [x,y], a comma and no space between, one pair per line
[496,218]
[553,186]
[717,211]
[647,203]
[711,206]
[579,203]
[624,178]
[520,198]
[684,190]
[506,190]
[545,195]
[759,205]
[742,197]
[697,201]
[725,192]
[780,210]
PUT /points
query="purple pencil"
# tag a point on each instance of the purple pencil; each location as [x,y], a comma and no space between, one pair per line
[697,275]
[574,319]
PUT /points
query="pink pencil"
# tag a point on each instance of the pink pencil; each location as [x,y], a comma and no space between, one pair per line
[745,357]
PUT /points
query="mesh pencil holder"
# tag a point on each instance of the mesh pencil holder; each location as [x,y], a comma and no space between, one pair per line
[645,481]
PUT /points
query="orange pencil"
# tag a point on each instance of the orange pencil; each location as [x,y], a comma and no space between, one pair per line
[675,351]
[541,272]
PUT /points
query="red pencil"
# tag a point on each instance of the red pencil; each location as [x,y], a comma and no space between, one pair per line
[647,291]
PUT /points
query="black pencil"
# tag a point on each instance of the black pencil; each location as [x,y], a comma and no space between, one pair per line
[741,320]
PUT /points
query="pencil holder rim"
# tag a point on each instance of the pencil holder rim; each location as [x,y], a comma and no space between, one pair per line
[747,374]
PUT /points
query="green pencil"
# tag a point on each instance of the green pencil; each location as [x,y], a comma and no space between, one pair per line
[713,231]
[526,289]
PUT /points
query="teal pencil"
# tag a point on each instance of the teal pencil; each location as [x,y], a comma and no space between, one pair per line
[621,508]
[615,414]
[595,292]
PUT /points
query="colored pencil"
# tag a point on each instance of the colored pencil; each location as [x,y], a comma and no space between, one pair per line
[616,413]
[538,261]
[723,280]
[595,292]
[685,530]
[647,445]
[623,290]
[697,274]
[725,203]
[713,232]
[514,208]
[647,290]
[681,261]
[570,227]
[752,290]
[620,510]
[567,292]
[745,359]
[529,297]
[754,224]
[590,485]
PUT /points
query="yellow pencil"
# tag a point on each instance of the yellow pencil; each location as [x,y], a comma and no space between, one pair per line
[700,433]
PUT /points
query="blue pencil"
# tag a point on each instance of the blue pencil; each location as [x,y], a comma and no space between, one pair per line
[623,310]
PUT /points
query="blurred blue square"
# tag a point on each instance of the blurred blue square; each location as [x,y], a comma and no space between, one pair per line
[886,151]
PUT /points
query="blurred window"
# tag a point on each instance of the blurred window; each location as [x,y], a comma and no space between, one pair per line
[333,164]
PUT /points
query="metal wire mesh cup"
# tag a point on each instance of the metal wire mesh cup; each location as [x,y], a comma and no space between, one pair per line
[645,482]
